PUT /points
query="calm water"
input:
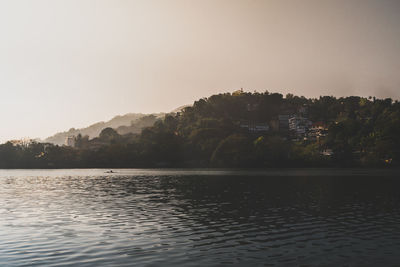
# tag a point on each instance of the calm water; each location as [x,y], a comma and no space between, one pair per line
[191,217]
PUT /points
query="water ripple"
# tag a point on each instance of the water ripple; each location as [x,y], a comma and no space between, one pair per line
[191,218]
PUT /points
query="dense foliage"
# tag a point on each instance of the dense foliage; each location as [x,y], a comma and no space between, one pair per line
[361,132]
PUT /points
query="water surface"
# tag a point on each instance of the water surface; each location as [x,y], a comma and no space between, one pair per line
[199,217]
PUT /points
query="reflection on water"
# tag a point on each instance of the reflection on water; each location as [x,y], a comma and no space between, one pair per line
[170,217]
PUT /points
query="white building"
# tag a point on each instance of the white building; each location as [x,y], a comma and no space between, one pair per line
[24,142]
[70,141]
[299,126]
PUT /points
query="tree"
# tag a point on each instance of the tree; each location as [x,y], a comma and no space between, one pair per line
[109,135]
[234,151]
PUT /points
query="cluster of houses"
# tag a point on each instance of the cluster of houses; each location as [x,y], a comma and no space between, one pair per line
[301,128]
[294,126]
[24,142]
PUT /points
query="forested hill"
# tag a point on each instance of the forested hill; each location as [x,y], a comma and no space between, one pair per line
[127,123]
[239,130]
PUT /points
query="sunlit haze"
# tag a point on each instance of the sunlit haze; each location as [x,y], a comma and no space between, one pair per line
[72,63]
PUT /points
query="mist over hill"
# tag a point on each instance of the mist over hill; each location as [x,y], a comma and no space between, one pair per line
[123,124]
[128,123]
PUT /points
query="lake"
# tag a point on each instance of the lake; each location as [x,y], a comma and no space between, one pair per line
[143,217]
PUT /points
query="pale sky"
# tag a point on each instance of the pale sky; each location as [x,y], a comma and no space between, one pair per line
[70,63]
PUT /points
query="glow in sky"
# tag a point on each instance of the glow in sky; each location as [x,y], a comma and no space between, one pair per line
[70,63]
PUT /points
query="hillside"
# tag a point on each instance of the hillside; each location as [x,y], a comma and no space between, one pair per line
[128,123]
[235,130]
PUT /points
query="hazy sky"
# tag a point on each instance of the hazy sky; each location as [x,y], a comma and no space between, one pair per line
[70,63]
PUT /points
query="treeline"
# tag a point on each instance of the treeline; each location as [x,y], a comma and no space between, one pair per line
[362,132]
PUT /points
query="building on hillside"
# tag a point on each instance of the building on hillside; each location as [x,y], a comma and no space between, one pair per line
[319,125]
[255,127]
[238,92]
[24,142]
[299,126]
[317,131]
[70,141]
[283,123]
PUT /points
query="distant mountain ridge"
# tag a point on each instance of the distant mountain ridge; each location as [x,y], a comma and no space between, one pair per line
[130,122]
[123,124]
